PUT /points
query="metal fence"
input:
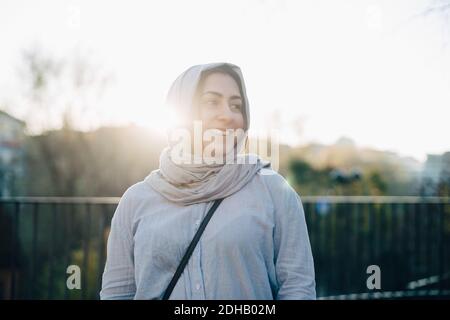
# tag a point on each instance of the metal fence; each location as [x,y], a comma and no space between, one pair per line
[406,237]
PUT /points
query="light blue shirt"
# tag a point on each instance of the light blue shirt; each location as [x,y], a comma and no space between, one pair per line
[255,246]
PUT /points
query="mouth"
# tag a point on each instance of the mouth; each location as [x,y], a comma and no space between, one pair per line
[219,131]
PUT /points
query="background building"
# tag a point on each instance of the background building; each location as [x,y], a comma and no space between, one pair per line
[12,150]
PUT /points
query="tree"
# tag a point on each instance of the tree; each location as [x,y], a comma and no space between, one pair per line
[59,92]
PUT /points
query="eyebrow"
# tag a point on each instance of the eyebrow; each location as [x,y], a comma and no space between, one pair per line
[220,95]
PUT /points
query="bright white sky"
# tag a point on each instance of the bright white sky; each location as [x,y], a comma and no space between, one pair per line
[368,70]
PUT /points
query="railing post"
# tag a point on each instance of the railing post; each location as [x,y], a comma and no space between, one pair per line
[101,246]
[52,251]
[355,250]
[68,242]
[370,243]
[430,238]
[348,232]
[14,251]
[406,213]
[34,250]
[85,271]
[441,212]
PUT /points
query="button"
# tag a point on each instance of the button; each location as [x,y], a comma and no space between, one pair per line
[198,286]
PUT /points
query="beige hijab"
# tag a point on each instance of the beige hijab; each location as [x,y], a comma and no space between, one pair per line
[187,184]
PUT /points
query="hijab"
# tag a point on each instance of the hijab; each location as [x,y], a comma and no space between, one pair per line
[190,183]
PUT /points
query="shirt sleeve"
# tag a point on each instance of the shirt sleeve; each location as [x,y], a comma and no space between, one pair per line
[294,265]
[118,282]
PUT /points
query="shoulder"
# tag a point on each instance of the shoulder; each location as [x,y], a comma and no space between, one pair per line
[140,191]
[134,197]
[275,183]
[286,202]
[282,195]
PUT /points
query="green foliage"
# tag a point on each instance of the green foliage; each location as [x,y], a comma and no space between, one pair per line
[310,171]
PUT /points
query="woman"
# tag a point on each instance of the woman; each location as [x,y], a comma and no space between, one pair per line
[255,246]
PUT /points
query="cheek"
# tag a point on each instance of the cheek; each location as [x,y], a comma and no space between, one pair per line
[239,121]
[206,117]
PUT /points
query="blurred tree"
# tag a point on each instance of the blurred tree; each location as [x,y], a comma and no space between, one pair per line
[58,92]
[345,169]
[378,185]
[307,180]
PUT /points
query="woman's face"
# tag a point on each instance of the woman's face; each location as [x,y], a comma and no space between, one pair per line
[220,103]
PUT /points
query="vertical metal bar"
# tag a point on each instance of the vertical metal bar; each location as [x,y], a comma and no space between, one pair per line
[376,240]
[332,247]
[67,244]
[365,244]
[349,233]
[318,218]
[397,255]
[312,231]
[446,212]
[34,250]
[407,238]
[70,240]
[327,245]
[355,258]
[14,251]
[52,252]
[429,239]
[342,247]
[363,234]
[370,244]
[323,249]
[418,218]
[384,233]
[101,246]
[393,247]
[85,271]
[315,242]
[412,237]
[401,245]
[441,211]
[383,239]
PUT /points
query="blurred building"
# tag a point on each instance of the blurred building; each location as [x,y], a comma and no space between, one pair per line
[12,168]
[12,151]
[436,170]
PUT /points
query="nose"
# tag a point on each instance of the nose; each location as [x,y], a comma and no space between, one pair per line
[225,114]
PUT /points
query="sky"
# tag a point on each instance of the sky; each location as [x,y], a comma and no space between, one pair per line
[377,72]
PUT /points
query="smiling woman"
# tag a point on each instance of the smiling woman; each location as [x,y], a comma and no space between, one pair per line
[257,240]
[219,105]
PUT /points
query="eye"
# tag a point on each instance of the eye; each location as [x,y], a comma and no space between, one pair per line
[211,102]
[236,107]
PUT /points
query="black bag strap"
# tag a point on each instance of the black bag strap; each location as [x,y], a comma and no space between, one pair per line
[190,249]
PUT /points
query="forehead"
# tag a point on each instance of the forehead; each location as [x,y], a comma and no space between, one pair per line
[220,82]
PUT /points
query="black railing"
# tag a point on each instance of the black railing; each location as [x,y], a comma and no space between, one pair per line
[43,236]
[406,237]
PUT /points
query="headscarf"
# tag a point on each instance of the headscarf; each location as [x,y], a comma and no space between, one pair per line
[192,183]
